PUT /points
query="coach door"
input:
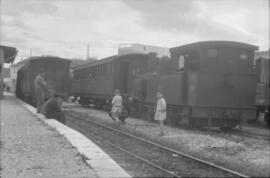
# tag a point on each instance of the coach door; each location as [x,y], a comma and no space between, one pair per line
[124,74]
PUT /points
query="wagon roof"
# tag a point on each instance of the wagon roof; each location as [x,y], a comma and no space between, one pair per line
[27,61]
[34,58]
[213,44]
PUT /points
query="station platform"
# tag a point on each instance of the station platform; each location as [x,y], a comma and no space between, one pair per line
[32,146]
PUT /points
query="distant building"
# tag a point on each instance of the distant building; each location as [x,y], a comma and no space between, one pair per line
[6,77]
[14,68]
[264,54]
[7,55]
[129,48]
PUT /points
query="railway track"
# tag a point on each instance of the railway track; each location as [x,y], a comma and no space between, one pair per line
[169,161]
[235,132]
[164,172]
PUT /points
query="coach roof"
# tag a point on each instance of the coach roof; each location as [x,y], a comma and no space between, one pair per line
[106,60]
[214,44]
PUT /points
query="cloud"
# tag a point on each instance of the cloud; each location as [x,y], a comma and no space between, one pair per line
[64,28]
[38,7]
[206,19]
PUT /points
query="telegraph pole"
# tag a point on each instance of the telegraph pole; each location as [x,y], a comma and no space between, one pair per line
[2,72]
[87,52]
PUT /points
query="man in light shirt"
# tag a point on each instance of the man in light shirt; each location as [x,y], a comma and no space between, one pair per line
[117,105]
[160,115]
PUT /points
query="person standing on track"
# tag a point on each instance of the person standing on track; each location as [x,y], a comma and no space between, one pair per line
[160,114]
[117,104]
[40,86]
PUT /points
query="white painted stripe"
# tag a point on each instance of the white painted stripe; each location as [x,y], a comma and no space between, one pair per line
[102,163]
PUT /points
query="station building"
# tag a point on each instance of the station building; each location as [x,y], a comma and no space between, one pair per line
[128,48]
[7,55]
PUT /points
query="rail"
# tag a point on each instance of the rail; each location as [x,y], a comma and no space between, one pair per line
[79,115]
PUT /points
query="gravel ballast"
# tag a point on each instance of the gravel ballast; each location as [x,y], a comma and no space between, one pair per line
[246,155]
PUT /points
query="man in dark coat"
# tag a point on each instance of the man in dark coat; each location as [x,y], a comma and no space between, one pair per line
[40,87]
[52,108]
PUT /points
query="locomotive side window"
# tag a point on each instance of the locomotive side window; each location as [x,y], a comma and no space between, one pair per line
[243,56]
[212,53]
[181,62]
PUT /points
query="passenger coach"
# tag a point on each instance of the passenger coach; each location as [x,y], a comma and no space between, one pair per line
[95,82]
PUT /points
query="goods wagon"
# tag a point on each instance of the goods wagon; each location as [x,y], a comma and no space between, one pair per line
[262,87]
[96,81]
[57,77]
[210,83]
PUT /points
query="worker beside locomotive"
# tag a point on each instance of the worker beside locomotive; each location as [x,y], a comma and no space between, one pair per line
[40,87]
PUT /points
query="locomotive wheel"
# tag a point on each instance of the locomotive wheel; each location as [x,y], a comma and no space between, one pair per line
[266,118]
[228,127]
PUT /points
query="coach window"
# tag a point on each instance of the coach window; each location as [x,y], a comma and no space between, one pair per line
[181,62]
[111,69]
[101,70]
[105,69]
[94,71]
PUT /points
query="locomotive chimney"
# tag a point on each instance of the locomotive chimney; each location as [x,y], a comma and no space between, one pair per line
[153,62]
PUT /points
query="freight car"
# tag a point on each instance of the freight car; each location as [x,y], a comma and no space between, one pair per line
[262,88]
[95,82]
[57,77]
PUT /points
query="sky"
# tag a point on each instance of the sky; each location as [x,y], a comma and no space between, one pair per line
[64,27]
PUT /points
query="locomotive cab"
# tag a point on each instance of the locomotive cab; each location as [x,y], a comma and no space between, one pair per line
[218,82]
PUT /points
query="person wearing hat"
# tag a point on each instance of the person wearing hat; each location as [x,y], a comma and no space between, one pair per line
[40,87]
[52,108]
[117,104]
[160,114]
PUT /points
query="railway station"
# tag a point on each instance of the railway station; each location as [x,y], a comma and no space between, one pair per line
[179,94]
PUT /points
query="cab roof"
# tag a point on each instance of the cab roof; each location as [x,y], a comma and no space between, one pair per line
[201,44]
